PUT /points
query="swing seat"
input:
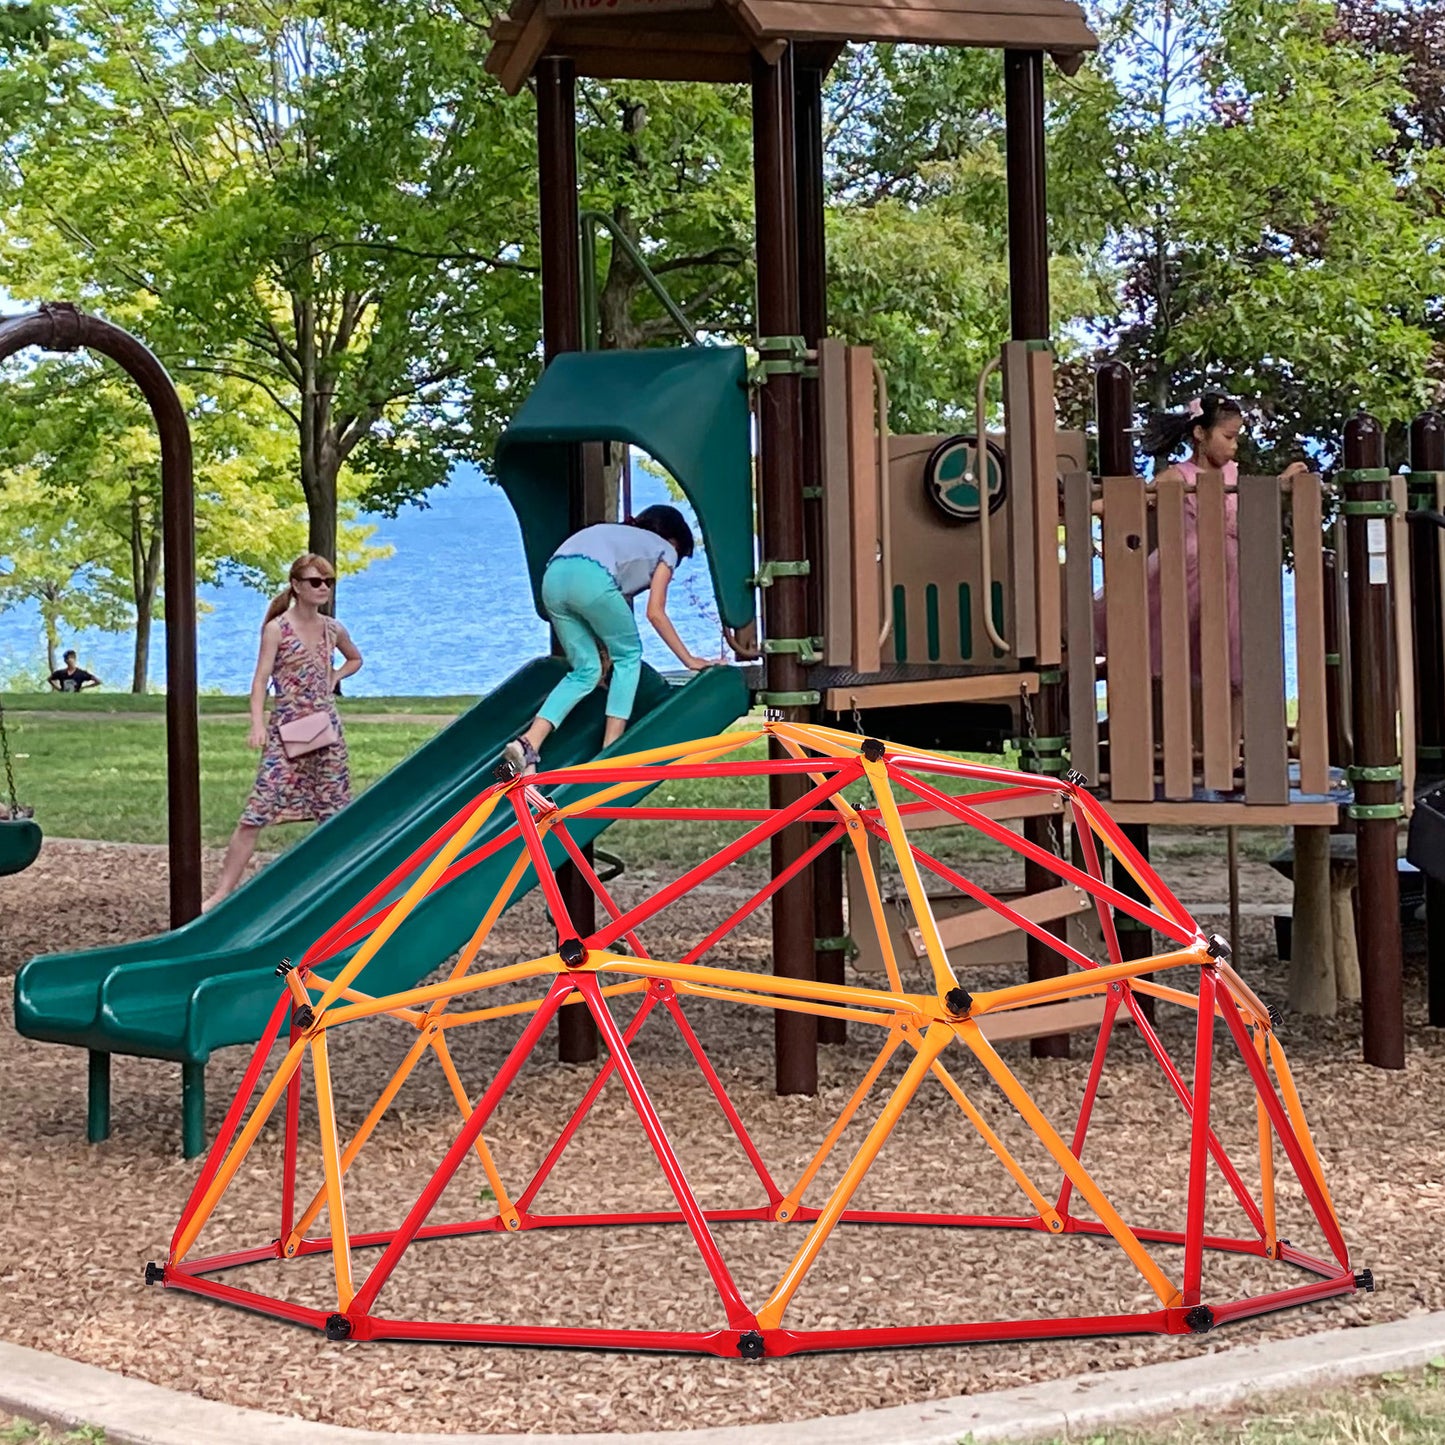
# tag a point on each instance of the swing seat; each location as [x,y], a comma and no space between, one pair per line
[19,844]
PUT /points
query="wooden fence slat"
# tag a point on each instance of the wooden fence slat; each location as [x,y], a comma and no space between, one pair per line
[868,599]
[1177,731]
[837,562]
[1126,618]
[1309,631]
[1404,635]
[1217,725]
[1045,442]
[1079,604]
[1261,569]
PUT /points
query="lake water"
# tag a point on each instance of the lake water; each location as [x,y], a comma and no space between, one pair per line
[450,612]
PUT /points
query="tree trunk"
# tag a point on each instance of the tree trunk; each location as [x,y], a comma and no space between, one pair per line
[147,584]
[52,635]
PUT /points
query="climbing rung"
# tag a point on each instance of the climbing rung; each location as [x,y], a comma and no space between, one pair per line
[980,923]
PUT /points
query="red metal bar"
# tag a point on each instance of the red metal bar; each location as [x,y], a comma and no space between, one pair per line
[247,1299]
[728,855]
[1181,1090]
[699,1342]
[1199,1140]
[289,1145]
[796,1342]
[461,1147]
[1095,868]
[674,1007]
[759,898]
[1285,1129]
[654,773]
[599,889]
[649,1001]
[1091,1088]
[675,814]
[738,1314]
[234,1114]
[1283,1299]
[1183,934]
[537,852]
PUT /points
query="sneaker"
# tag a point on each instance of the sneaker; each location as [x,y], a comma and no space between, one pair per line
[522,756]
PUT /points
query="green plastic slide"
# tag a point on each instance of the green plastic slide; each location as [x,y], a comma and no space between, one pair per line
[183,994]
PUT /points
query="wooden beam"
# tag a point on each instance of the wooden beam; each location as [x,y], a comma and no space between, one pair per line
[1309,591]
[994,687]
[1225,815]
[526,50]
[982,922]
[1010,810]
[1044,1019]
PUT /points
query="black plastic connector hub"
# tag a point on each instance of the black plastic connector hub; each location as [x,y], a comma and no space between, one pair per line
[1200,1320]
[572,952]
[751,1346]
[283,968]
[1218,948]
[338,1327]
[1276,1018]
[1074,776]
[872,750]
[304,1017]
[958,1001]
[504,772]
[155,1273]
[1365,1280]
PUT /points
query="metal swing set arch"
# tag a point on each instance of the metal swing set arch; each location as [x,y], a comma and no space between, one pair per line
[611,964]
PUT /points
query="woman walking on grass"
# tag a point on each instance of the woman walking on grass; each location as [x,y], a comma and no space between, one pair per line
[304,774]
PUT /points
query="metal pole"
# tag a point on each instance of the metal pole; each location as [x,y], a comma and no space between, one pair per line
[1427,454]
[829,963]
[1028,249]
[781,472]
[560,235]
[1374,695]
[61,327]
[1114,407]
[1427,466]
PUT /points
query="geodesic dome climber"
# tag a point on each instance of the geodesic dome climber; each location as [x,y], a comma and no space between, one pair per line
[936,1034]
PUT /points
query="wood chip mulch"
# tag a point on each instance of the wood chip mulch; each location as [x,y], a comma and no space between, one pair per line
[78,1223]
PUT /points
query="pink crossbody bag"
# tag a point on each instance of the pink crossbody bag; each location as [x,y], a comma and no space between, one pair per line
[312,731]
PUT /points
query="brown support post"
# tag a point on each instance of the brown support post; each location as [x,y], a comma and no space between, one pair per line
[61,327]
[1374,689]
[781,471]
[1427,454]
[562,331]
[1114,407]
[828,963]
[1028,248]
[1427,457]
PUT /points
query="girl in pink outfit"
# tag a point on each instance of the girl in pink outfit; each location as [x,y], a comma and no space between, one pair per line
[1210,425]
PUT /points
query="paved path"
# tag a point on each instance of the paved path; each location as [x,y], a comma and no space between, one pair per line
[131,1412]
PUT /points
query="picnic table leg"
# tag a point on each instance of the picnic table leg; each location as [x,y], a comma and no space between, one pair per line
[193,1109]
[97,1117]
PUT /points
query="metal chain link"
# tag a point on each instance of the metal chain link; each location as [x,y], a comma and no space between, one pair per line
[1056,834]
[9,770]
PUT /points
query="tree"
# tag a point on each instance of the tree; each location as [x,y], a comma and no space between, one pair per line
[323,200]
[80,499]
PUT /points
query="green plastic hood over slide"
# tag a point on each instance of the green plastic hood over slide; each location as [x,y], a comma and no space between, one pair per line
[686,407]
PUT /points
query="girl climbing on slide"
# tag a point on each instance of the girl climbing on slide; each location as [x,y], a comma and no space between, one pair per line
[587,591]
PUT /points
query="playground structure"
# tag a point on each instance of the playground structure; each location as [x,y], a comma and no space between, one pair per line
[928,1036]
[894,601]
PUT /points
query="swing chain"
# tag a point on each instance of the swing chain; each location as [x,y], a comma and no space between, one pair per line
[1056,834]
[9,769]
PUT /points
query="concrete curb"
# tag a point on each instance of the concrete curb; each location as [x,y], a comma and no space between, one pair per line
[60,1392]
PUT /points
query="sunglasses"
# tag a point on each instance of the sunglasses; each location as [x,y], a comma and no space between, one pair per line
[315,581]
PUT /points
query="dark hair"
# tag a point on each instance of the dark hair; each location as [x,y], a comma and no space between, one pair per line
[1167,431]
[71,653]
[669,524]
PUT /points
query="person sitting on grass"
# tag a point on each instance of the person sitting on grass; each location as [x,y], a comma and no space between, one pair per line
[587,591]
[71,678]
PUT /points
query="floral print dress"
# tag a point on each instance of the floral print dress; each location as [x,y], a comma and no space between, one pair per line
[316,785]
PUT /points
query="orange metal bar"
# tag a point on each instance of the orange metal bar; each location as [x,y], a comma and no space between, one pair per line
[934,1042]
[1296,1110]
[544,967]
[513,1010]
[335,1198]
[1083,1181]
[1266,1157]
[788,1206]
[499,1190]
[1096,980]
[819,1010]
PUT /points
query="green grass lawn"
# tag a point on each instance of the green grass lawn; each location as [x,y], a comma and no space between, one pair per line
[211,705]
[1394,1409]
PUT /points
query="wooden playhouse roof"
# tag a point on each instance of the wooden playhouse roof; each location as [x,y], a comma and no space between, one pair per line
[714,39]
